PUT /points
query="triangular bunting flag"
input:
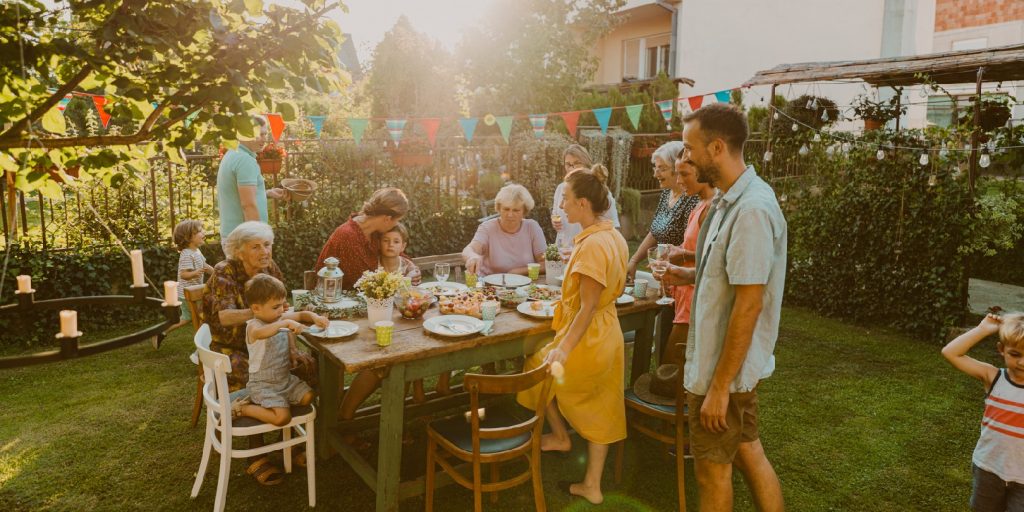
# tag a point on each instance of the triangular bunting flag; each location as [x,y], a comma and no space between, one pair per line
[571,120]
[190,117]
[633,112]
[318,123]
[358,126]
[505,123]
[100,101]
[723,96]
[603,115]
[538,122]
[395,129]
[276,126]
[64,102]
[695,101]
[665,107]
[430,125]
[468,125]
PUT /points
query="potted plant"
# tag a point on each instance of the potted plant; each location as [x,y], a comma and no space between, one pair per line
[553,266]
[995,111]
[379,287]
[270,158]
[876,113]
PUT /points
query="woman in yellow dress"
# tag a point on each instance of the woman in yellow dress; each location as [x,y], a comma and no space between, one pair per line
[588,340]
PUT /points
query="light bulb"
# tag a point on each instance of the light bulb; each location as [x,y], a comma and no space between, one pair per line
[795,127]
[830,150]
[846,147]
[804,150]
[814,104]
[824,115]
[775,116]
[880,154]
[991,145]
[767,156]
[817,137]
[985,160]
[782,198]
[810,104]
[924,159]
[924,91]
[932,180]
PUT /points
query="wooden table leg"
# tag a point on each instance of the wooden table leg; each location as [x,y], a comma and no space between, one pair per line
[327,414]
[642,343]
[389,445]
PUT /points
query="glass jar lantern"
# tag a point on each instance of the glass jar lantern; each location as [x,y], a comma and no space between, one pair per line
[328,283]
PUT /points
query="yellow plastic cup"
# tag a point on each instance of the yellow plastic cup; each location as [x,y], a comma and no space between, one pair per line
[385,329]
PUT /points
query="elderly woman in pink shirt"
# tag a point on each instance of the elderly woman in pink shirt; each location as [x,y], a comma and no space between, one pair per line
[510,242]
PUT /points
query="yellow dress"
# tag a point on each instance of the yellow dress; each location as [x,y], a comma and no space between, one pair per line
[590,395]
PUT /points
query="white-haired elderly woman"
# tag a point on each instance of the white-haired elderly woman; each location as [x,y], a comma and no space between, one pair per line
[674,206]
[510,242]
[249,250]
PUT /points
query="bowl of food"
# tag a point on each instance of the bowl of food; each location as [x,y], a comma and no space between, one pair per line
[298,188]
[413,302]
[511,298]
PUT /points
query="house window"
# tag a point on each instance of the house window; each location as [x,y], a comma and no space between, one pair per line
[645,57]
[657,55]
[940,111]
[631,58]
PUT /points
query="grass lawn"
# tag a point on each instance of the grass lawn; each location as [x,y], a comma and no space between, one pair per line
[853,419]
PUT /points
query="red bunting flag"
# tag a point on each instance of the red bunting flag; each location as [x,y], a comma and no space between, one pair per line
[695,102]
[276,126]
[571,120]
[430,125]
[100,101]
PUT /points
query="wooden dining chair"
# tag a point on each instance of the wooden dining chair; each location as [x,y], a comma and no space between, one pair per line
[194,299]
[499,437]
[670,428]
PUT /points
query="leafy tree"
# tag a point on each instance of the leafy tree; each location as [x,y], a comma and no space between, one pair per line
[534,54]
[210,61]
[411,75]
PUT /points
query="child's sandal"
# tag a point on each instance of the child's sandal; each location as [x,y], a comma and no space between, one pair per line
[265,472]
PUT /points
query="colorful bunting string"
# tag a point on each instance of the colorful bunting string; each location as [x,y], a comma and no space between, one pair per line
[538,122]
[468,127]
[276,126]
[395,129]
[100,101]
[431,125]
[665,106]
[603,115]
[318,123]
[571,120]
[358,127]
[633,112]
[505,124]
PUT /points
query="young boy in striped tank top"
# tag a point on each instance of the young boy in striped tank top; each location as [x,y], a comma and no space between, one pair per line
[999,455]
[192,266]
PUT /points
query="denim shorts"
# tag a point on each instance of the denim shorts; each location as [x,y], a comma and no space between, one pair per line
[993,494]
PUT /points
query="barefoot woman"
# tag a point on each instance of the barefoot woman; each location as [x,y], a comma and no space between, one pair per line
[588,339]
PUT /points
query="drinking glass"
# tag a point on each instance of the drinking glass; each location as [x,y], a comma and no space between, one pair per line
[441,271]
[658,258]
[564,248]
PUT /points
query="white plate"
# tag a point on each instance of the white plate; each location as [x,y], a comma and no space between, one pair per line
[547,312]
[444,288]
[511,280]
[336,329]
[341,304]
[525,290]
[625,299]
[453,325]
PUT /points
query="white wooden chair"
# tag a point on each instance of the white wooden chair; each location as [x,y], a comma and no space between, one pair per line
[221,428]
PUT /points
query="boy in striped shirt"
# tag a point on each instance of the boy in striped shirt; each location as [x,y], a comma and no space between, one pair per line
[192,266]
[998,460]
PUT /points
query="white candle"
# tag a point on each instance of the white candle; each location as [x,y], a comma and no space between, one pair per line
[69,323]
[138,277]
[24,284]
[171,293]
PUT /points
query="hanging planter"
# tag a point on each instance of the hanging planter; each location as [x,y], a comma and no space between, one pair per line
[872,124]
[271,158]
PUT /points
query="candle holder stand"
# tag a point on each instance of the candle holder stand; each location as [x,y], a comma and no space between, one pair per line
[69,345]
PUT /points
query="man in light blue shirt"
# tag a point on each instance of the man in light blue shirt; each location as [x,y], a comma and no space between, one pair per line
[739,277]
[241,191]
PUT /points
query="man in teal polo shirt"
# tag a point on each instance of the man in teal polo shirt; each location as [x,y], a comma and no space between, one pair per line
[739,276]
[241,192]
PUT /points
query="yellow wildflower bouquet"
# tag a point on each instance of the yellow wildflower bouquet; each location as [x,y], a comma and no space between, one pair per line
[379,284]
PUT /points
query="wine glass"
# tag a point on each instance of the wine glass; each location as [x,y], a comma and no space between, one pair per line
[441,271]
[564,248]
[658,258]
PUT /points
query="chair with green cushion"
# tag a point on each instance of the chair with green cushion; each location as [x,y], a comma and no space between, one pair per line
[499,437]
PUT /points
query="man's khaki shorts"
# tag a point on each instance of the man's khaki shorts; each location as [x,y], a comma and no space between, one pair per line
[721,448]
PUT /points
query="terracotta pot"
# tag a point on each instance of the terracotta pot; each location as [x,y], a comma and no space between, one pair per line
[872,124]
[271,166]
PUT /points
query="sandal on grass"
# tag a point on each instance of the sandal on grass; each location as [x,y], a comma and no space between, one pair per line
[265,472]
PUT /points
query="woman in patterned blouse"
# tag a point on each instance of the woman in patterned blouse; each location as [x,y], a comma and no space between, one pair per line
[674,206]
[356,243]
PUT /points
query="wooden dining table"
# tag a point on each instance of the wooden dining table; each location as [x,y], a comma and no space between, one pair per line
[415,354]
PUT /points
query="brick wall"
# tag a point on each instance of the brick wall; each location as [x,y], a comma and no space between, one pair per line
[954,14]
